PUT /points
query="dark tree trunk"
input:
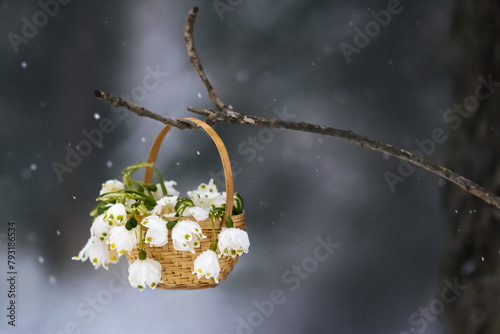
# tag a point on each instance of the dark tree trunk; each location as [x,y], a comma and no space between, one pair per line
[473,249]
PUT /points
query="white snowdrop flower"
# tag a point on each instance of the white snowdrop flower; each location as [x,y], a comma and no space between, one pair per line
[144,273]
[96,251]
[207,264]
[207,196]
[122,239]
[99,253]
[111,186]
[84,255]
[157,234]
[186,235]
[233,241]
[170,190]
[165,206]
[199,214]
[116,215]
[100,228]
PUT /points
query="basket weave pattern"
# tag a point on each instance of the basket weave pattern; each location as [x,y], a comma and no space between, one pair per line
[177,266]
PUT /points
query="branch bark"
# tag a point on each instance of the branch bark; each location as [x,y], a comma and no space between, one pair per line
[227,115]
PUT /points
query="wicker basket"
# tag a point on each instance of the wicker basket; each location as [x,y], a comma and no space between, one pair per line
[177,266]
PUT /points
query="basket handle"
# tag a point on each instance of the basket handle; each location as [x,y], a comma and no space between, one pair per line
[226,164]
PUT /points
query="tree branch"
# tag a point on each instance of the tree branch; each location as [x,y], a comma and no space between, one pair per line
[195,60]
[226,115]
[119,102]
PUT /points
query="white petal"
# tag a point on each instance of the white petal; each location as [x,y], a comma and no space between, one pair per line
[157,234]
[99,254]
[207,264]
[183,245]
[206,196]
[116,215]
[170,190]
[111,186]
[199,214]
[83,255]
[233,241]
[165,206]
[144,273]
[185,234]
[100,228]
[123,240]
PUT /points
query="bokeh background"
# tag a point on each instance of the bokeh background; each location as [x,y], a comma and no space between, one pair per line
[261,56]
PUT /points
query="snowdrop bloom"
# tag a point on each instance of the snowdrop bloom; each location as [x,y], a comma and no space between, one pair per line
[198,213]
[170,190]
[207,196]
[116,215]
[97,252]
[186,235]
[100,228]
[165,206]
[122,239]
[84,253]
[233,241]
[157,234]
[207,264]
[111,186]
[144,273]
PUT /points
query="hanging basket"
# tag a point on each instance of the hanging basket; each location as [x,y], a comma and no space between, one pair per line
[177,266]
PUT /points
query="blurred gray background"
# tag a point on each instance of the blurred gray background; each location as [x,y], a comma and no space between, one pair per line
[260,56]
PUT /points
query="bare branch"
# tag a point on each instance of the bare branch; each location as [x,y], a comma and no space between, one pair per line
[119,102]
[226,115]
[195,60]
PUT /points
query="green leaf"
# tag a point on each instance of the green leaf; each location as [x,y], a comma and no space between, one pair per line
[238,208]
[129,170]
[172,223]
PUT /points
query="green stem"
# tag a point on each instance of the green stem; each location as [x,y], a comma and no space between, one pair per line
[213,245]
[140,237]
[213,227]
[129,194]
[160,179]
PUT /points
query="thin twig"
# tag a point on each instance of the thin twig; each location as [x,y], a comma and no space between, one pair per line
[195,60]
[226,115]
[119,102]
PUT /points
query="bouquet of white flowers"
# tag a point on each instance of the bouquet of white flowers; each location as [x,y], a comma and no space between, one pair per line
[134,218]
